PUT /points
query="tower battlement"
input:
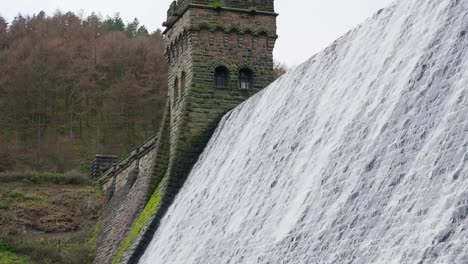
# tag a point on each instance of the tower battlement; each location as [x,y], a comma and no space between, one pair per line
[179,7]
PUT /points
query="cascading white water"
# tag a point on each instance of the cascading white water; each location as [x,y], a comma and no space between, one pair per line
[360,155]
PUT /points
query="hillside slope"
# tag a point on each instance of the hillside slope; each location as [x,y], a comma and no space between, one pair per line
[48,218]
[360,155]
[73,86]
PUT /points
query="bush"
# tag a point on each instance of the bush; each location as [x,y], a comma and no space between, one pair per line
[74,177]
[35,179]
[58,179]
[4,206]
[4,246]
[16,194]
[83,168]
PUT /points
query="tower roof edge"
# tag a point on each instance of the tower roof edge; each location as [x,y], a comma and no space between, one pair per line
[254,7]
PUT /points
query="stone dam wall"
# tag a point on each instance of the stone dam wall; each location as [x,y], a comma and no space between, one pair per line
[130,188]
[126,186]
[201,38]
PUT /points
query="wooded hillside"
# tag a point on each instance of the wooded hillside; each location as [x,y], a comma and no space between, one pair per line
[71,87]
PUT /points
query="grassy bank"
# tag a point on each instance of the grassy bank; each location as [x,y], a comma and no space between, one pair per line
[48,218]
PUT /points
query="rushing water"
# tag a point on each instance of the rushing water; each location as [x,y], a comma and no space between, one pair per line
[360,155]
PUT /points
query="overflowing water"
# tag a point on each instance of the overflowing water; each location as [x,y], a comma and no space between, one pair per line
[360,155]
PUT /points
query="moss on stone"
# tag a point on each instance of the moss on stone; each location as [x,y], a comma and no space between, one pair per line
[213,25]
[217,3]
[142,221]
[94,239]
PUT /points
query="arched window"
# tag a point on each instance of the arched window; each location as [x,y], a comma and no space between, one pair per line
[245,79]
[221,77]
[182,84]
[176,91]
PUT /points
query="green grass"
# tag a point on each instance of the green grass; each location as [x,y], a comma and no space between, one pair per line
[217,3]
[83,168]
[73,248]
[142,221]
[17,195]
[69,178]
[11,258]
[8,255]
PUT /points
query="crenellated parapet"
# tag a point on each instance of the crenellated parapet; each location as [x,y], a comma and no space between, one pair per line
[178,8]
[175,11]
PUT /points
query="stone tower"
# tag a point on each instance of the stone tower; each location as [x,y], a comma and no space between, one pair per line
[219,54]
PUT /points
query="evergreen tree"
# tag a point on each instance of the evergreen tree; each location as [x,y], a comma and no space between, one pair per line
[142,32]
[3,33]
[114,24]
[132,28]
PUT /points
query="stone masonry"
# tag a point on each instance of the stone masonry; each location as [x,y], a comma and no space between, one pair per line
[126,188]
[102,163]
[202,37]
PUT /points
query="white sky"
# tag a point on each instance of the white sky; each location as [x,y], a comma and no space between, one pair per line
[304,26]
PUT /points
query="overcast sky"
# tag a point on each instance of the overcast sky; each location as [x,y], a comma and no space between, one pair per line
[304,26]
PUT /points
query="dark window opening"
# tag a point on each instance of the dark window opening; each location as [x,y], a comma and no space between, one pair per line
[221,77]
[182,84]
[245,79]
[176,91]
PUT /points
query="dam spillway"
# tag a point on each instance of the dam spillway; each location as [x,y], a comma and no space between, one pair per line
[359,155]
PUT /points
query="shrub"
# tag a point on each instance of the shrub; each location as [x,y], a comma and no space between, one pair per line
[58,179]
[74,177]
[35,179]
[83,168]
[4,246]
[17,194]
[4,206]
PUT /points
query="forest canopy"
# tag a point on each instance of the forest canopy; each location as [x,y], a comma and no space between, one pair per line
[72,87]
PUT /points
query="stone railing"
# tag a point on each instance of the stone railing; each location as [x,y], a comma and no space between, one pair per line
[101,164]
[134,155]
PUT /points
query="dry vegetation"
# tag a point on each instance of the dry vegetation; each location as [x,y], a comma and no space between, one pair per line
[47,218]
[71,87]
